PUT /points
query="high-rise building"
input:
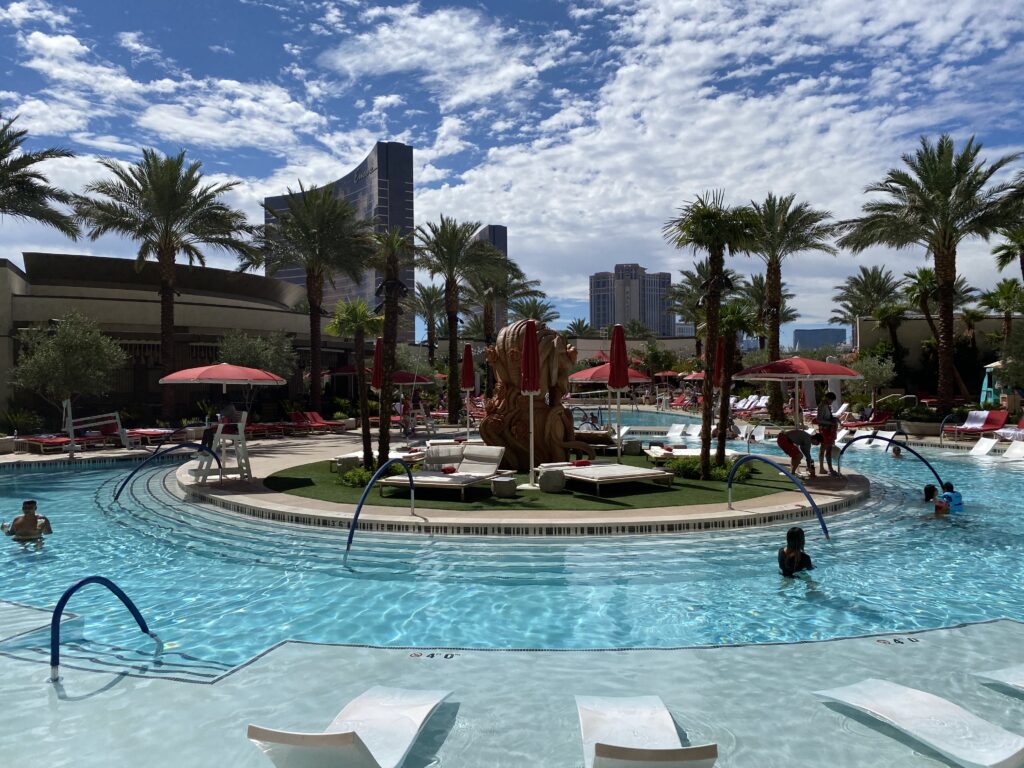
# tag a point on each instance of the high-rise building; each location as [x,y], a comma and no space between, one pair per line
[812,338]
[381,188]
[497,236]
[631,293]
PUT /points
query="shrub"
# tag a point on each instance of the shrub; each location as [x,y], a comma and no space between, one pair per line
[22,421]
[921,413]
[688,467]
[357,477]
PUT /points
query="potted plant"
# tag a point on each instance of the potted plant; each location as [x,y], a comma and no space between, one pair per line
[920,421]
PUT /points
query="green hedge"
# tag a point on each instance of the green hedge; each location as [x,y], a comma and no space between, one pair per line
[688,467]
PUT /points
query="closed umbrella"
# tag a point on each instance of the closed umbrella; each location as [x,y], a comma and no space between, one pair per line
[618,379]
[468,379]
[377,379]
[529,378]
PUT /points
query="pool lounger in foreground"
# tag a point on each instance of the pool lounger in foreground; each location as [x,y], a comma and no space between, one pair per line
[1011,677]
[374,730]
[946,727]
[635,732]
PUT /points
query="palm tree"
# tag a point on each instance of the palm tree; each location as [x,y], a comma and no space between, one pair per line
[686,298]
[707,224]
[450,251]
[25,192]
[578,328]
[1012,250]
[862,294]
[322,234]
[784,228]
[1006,298]
[636,329]
[393,250]
[738,317]
[473,327]
[890,317]
[355,320]
[533,308]
[970,317]
[428,304]
[504,284]
[753,291]
[162,203]
[921,289]
[942,198]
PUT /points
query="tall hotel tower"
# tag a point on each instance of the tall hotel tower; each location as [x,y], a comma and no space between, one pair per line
[381,188]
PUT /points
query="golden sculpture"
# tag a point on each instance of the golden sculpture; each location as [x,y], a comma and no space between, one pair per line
[507,421]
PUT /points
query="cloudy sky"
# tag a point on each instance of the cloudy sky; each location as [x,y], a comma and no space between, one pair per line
[580,125]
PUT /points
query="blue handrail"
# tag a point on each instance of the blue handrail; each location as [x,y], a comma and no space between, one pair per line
[942,427]
[158,454]
[62,603]
[890,441]
[799,484]
[366,492]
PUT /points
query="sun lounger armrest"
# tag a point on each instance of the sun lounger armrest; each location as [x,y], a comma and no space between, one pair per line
[300,739]
[611,756]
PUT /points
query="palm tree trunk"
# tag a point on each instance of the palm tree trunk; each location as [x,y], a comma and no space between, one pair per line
[728,360]
[431,341]
[945,275]
[390,341]
[927,312]
[773,302]
[716,265]
[364,401]
[451,306]
[315,296]
[167,335]
[1007,327]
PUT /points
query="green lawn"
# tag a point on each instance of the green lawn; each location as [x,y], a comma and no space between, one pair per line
[316,481]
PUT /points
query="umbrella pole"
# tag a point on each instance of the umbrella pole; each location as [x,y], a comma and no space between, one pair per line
[618,424]
[531,439]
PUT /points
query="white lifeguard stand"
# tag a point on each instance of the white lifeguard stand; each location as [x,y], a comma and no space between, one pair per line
[229,445]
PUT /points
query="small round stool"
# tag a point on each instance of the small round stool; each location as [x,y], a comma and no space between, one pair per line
[551,481]
[504,487]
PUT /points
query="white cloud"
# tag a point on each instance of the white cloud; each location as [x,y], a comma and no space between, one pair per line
[19,14]
[222,49]
[133,43]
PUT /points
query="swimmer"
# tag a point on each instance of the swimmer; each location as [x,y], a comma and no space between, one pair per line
[28,526]
[897,452]
[930,492]
[792,557]
[950,501]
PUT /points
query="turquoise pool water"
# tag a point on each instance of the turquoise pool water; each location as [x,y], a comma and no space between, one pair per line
[223,588]
[631,418]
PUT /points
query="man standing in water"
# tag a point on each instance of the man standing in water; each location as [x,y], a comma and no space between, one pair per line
[827,426]
[28,526]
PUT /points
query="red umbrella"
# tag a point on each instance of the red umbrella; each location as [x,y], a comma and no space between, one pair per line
[797,369]
[468,374]
[224,374]
[665,374]
[408,377]
[529,376]
[601,373]
[618,376]
[694,376]
[377,380]
[529,366]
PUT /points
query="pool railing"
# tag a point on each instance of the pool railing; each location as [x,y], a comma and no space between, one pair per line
[796,480]
[381,471]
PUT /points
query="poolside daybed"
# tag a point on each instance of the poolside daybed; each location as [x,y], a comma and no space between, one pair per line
[609,474]
[457,467]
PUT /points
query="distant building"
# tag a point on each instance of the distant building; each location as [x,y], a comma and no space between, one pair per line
[381,188]
[818,337]
[630,293]
[685,330]
[496,235]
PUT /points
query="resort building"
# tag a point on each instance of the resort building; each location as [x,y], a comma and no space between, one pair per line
[125,303]
[381,188]
[631,293]
[813,338]
[914,329]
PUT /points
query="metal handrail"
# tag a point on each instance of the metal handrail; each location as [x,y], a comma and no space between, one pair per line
[196,446]
[899,398]
[799,484]
[62,603]
[890,441]
[366,492]
[942,427]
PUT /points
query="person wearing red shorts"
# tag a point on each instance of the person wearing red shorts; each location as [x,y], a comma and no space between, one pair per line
[827,427]
[796,444]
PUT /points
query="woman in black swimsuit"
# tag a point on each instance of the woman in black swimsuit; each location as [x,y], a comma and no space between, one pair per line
[792,557]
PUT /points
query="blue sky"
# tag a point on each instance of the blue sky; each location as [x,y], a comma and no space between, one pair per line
[582,126]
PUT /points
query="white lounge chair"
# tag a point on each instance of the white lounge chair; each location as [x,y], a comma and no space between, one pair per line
[1015,452]
[478,465]
[675,434]
[756,435]
[609,474]
[693,430]
[841,434]
[983,447]
[374,730]
[938,723]
[635,732]
[883,444]
[862,433]
[1011,677]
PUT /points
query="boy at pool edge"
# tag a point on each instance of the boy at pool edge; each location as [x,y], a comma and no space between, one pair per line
[792,557]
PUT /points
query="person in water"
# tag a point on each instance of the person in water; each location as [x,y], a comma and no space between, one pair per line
[930,492]
[796,444]
[792,557]
[28,526]
[897,452]
[951,501]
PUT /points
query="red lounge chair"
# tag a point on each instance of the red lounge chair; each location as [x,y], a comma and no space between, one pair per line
[678,402]
[149,435]
[994,420]
[300,423]
[877,421]
[314,417]
[45,443]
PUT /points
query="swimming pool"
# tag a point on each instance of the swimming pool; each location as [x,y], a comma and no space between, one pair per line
[222,589]
[637,418]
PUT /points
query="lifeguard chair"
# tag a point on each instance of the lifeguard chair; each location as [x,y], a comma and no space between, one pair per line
[229,445]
